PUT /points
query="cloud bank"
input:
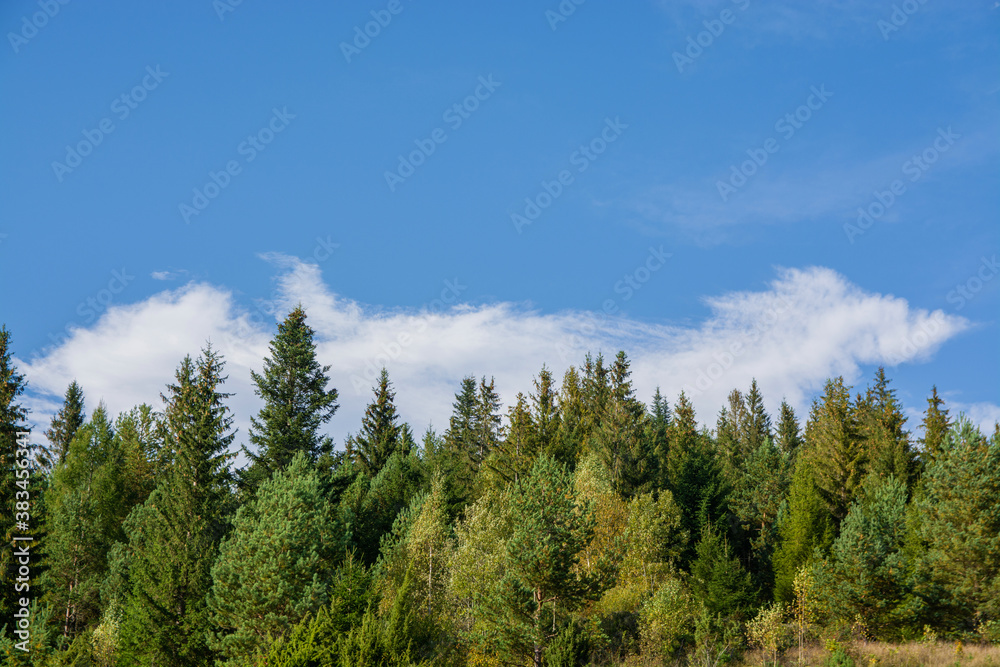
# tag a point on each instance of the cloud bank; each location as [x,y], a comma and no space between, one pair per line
[807,325]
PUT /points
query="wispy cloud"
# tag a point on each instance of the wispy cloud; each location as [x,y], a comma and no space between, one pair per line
[807,325]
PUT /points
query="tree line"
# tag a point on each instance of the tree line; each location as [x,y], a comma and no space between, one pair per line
[580,526]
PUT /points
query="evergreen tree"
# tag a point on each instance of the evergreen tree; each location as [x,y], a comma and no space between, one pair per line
[550,530]
[958,521]
[459,443]
[887,443]
[488,423]
[936,424]
[65,424]
[788,436]
[696,478]
[756,500]
[836,448]
[381,435]
[804,525]
[545,417]
[13,418]
[513,458]
[274,567]
[718,579]
[296,401]
[174,535]
[658,421]
[865,574]
[619,439]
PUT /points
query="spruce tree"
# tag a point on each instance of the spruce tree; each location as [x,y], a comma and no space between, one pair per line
[718,579]
[545,416]
[381,433]
[619,439]
[696,477]
[836,448]
[887,443]
[658,439]
[65,423]
[296,401]
[174,536]
[936,424]
[788,435]
[805,525]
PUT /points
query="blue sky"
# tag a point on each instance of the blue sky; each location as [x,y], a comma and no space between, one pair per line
[237,158]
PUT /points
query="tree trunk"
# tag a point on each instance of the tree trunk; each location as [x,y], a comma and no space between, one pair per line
[538,629]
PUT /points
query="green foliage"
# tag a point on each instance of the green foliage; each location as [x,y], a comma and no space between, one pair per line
[958,523]
[570,648]
[805,525]
[865,576]
[381,435]
[936,424]
[718,580]
[836,449]
[174,535]
[667,619]
[65,424]
[273,568]
[296,402]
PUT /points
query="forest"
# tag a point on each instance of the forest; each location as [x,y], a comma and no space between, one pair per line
[581,526]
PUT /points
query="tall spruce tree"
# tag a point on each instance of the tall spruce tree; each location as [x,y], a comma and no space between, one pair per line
[882,425]
[545,416]
[696,477]
[174,536]
[658,423]
[297,402]
[936,424]
[805,525]
[836,448]
[381,433]
[65,424]
[618,440]
[788,435]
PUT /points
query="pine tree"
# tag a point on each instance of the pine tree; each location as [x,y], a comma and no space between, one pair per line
[836,448]
[788,436]
[296,401]
[65,424]
[865,575]
[174,536]
[274,567]
[13,418]
[958,521]
[381,434]
[936,424]
[550,530]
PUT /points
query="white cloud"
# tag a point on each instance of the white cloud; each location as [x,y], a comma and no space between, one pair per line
[808,325]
